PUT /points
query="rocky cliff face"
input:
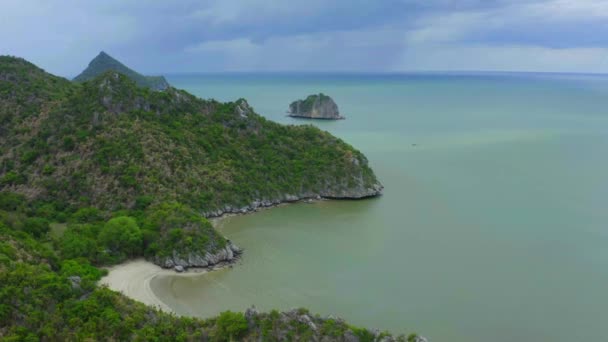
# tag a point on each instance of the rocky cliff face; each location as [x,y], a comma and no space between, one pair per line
[358,186]
[180,262]
[318,106]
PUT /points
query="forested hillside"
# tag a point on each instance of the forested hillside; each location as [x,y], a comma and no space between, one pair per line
[96,173]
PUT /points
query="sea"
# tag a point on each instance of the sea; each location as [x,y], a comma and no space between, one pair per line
[493,225]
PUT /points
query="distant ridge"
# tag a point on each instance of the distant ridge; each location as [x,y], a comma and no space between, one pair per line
[104,62]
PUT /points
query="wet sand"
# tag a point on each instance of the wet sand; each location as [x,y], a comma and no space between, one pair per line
[133,277]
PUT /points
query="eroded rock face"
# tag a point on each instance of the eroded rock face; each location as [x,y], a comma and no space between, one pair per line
[180,263]
[318,106]
[358,186]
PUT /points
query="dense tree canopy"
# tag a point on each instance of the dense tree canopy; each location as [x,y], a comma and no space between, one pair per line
[84,166]
[121,236]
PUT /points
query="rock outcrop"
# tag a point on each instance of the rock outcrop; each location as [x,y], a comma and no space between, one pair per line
[346,193]
[180,263]
[357,187]
[318,106]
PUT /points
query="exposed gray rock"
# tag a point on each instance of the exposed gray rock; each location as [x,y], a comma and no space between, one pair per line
[227,254]
[243,108]
[75,282]
[318,106]
[308,321]
[355,188]
[349,336]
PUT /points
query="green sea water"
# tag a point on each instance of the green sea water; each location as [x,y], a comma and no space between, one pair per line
[493,225]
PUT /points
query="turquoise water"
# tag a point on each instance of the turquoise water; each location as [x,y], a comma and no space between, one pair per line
[493,227]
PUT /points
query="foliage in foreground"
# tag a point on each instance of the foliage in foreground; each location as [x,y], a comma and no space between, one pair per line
[48,289]
[94,173]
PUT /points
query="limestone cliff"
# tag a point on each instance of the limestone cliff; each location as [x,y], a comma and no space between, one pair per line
[181,261]
[318,106]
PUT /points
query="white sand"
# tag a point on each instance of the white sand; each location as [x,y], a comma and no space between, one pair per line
[133,277]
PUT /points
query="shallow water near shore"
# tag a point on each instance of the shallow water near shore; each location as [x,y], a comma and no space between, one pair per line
[492,227]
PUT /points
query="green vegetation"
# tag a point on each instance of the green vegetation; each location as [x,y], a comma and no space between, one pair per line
[306,105]
[96,172]
[110,145]
[231,324]
[122,237]
[175,229]
[48,295]
[104,62]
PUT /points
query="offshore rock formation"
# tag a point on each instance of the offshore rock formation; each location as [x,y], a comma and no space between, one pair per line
[318,106]
[104,62]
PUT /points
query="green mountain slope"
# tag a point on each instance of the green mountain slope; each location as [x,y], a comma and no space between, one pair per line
[131,172]
[104,62]
[109,145]
[107,142]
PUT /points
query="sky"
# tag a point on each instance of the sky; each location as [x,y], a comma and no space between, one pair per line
[163,36]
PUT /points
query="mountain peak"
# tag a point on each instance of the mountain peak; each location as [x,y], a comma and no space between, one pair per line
[104,62]
[103,56]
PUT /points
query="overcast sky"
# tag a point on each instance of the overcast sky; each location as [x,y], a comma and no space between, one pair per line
[163,36]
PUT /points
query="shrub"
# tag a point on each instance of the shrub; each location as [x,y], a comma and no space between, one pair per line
[83,269]
[87,215]
[11,201]
[122,236]
[78,242]
[12,177]
[230,326]
[36,226]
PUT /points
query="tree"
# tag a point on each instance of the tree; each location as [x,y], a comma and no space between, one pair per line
[121,235]
[77,242]
[36,226]
[231,326]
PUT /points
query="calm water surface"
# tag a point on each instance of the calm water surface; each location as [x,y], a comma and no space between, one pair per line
[492,228]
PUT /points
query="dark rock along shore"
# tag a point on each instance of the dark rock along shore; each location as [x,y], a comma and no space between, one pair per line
[229,254]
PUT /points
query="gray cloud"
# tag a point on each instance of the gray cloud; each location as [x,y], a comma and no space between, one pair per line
[341,35]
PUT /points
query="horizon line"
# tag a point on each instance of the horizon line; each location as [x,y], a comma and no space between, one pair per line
[399,72]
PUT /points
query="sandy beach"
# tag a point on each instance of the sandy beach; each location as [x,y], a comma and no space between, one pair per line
[133,277]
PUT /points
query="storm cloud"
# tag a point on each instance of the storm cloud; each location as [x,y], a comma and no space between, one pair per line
[313,35]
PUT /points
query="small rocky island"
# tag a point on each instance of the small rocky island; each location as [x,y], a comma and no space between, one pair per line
[318,106]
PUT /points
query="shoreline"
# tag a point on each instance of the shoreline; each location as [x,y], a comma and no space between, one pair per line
[258,205]
[132,278]
[228,214]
